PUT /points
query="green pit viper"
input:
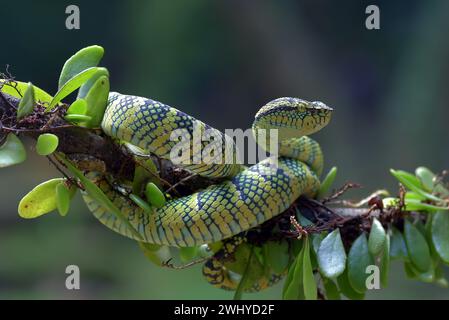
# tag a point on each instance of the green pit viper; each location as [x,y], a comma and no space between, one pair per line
[248,196]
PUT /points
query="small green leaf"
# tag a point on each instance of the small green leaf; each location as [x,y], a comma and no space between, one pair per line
[376,238]
[435,257]
[420,226]
[77,118]
[84,89]
[63,197]
[331,288]
[428,235]
[83,59]
[39,94]
[293,288]
[327,182]
[398,249]
[440,235]
[141,203]
[417,247]
[385,262]
[78,107]
[12,151]
[188,253]
[154,195]
[347,289]
[332,255]
[244,257]
[413,183]
[358,260]
[141,175]
[407,179]
[146,171]
[46,144]
[97,100]
[288,280]
[26,104]
[277,255]
[428,276]
[439,277]
[410,195]
[40,200]
[158,255]
[417,205]
[317,238]
[295,248]
[262,255]
[426,177]
[246,280]
[71,85]
[310,288]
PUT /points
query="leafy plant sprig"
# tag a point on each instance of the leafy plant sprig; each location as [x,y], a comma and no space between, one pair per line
[324,258]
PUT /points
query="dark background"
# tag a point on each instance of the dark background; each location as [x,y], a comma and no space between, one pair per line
[221,61]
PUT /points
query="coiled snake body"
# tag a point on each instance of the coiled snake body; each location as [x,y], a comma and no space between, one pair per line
[246,199]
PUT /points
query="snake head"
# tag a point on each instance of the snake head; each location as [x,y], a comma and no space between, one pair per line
[293,117]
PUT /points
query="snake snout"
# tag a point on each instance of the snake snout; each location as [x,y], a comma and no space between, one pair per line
[320,112]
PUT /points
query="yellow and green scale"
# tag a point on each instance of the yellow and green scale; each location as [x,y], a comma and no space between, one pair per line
[248,197]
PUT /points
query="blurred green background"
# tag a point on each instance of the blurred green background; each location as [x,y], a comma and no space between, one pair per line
[220,61]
